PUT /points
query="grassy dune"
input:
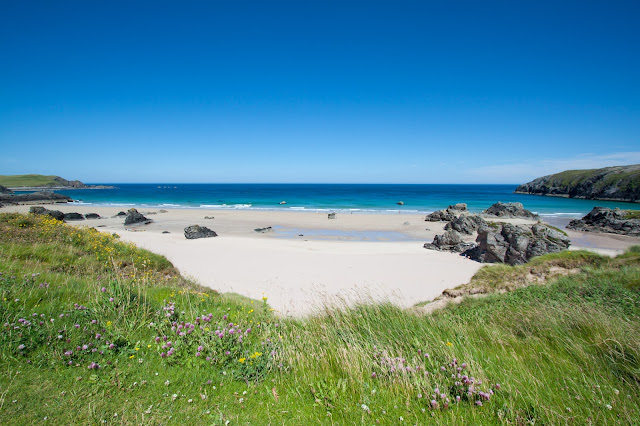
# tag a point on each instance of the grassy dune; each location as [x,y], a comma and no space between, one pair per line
[95,330]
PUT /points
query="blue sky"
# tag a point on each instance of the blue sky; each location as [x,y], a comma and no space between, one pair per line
[375,91]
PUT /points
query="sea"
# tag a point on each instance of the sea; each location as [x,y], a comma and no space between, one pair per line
[350,198]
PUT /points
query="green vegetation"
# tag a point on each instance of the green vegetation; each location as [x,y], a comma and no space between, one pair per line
[632,214]
[17,181]
[84,319]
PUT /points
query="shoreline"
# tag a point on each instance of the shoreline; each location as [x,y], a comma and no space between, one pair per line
[309,261]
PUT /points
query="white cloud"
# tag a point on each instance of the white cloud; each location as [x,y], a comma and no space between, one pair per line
[527,170]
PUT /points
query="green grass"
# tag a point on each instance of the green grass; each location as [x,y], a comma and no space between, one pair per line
[632,214]
[564,352]
[15,181]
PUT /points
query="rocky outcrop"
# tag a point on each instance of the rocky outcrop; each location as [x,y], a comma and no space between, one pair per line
[73,216]
[196,231]
[263,230]
[331,216]
[133,217]
[620,183]
[5,190]
[56,214]
[516,244]
[451,213]
[35,182]
[603,219]
[510,210]
[466,224]
[92,216]
[120,214]
[449,241]
[34,197]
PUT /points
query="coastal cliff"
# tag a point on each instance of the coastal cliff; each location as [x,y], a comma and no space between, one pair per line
[35,182]
[619,183]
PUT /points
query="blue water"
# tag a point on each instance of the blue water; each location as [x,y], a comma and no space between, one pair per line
[370,198]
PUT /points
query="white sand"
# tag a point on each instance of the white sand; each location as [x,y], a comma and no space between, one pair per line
[354,257]
[298,274]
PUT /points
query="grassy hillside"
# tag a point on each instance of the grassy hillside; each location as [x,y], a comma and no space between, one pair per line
[615,183]
[95,330]
[15,181]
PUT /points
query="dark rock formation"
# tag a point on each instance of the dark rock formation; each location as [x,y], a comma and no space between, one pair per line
[510,210]
[466,224]
[196,231]
[209,217]
[331,215]
[73,216]
[516,244]
[620,183]
[34,197]
[166,232]
[56,214]
[400,203]
[120,214]
[451,213]
[603,219]
[134,217]
[263,230]
[5,190]
[449,241]
[92,216]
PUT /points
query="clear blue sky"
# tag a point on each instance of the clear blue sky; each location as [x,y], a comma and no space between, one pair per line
[306,91]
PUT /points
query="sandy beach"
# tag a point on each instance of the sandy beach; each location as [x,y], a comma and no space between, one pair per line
[308,261]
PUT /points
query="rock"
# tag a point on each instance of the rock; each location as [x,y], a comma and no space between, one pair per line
[466,224]
[516,244]
[92,216]
[510,210]
[400,203]
[263,230]
[406,223]
[56,214]
[162,211]
[73,216]
[451,213]
[331,215]
[449,241]
[34,197]
[134,217]
[102,226]
[166,232]
[618,183]
[5,190]
[120,214]
[209,217]
[196,231]
[604,219]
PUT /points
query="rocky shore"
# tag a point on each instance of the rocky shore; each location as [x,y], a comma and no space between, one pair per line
[613,221]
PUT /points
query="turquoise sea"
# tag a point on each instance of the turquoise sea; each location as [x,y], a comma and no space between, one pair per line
[357,198]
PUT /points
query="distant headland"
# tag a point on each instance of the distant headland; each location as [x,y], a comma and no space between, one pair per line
[619,183]
[35,182]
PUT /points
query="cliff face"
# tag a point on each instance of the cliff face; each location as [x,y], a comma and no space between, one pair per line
[620,183]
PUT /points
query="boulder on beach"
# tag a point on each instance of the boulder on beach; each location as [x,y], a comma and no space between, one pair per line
[449,241]
[263,230]
[516,244]
[331,216]
[92,216]
[451,213]
[56,214]
[466,224]
[510,210]
[604,219]
[35,197]
[73,216]
[120,214]
[133,216]
[196,231]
